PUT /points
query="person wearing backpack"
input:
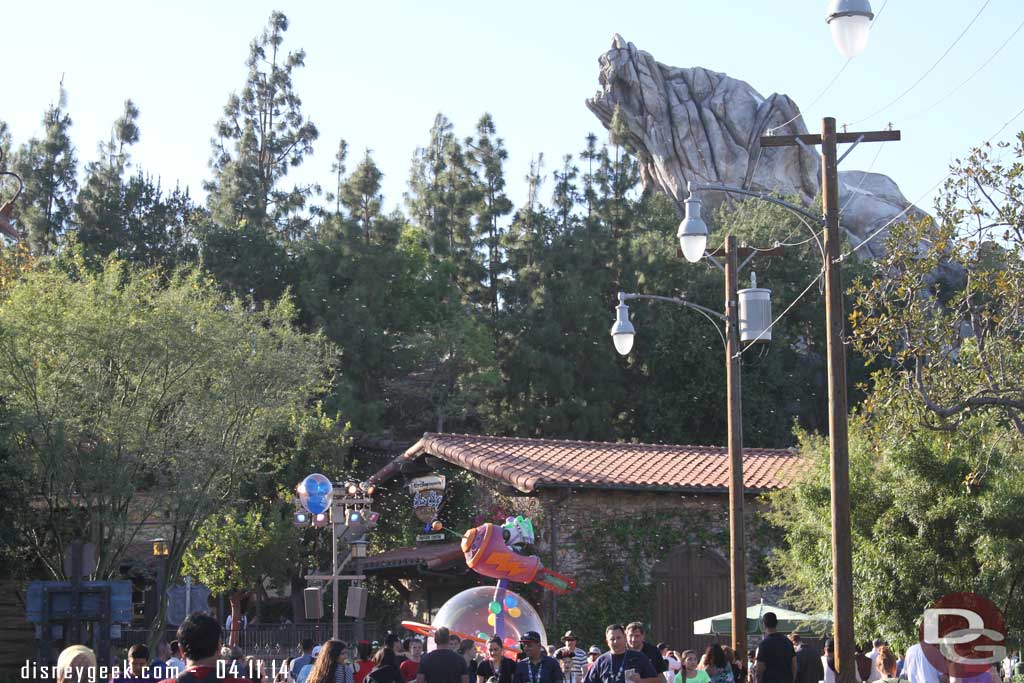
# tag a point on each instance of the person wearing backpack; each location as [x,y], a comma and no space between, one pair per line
[385,667]
[199,640]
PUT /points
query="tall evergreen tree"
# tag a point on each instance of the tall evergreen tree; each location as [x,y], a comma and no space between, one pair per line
[487,156]
[48,166]
[360,194]
[263,134]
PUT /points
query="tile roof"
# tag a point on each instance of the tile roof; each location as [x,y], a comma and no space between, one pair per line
[531,464]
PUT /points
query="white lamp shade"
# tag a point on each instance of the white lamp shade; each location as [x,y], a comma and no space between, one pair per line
[693,233]
[850,23]
[622,331]
[850,34]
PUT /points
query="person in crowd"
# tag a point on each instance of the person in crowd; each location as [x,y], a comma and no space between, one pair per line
[809,668]
[138,666]
[303,673]
[454,642]
[330,664]
[776,658]
[77,662]
[592,654]
[828,662]
[442,665]
[717,668]
[876,646]
[410,667]
[538,666]
[305,657]
[571,658]
[254,670]
[885,663]
[673,664]
[496,668]
[865,665]
[621,664]
[364,661]
[199,640]
[635,641]
[176,662]
[738,674]
[690,673]
[394,643]
[385,667]
[467,648]
[284,674]
[158,664]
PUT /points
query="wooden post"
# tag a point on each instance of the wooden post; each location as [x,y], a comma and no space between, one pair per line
[737,540]
[839,457]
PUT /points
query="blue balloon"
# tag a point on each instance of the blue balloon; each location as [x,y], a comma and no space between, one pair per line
[315,493]
[510,601]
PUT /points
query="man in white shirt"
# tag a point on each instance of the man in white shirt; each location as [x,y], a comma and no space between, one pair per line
[917,668]
[674,665]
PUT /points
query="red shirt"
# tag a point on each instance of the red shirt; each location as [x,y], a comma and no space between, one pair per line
[409,670]
[363,667]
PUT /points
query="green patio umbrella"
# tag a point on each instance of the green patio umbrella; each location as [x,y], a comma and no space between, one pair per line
[789,621]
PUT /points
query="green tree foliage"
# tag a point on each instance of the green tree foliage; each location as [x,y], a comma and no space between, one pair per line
[943,312]
[237,553]
[360,194]
[48,166]
[933,512]
[487,156]
[126,391]
[263,134]
[131,217]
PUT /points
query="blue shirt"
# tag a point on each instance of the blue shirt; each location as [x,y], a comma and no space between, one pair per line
[611,668]
[546,670]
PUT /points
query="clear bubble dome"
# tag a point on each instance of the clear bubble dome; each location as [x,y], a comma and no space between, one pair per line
[467,614]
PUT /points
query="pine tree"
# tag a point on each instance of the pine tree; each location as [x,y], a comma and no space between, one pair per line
[360,194]
[338,169]
[48,167]
[263,134]
[487,156]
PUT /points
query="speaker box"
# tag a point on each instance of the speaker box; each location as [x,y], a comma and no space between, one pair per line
[355,602]
[314,604]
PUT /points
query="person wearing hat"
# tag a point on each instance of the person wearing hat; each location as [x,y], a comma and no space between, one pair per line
[592,654]
[620,664]
[537,666]
[572,658]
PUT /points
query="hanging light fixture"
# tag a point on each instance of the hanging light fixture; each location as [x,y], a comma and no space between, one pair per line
[622,331]
[693,231]
[850,23]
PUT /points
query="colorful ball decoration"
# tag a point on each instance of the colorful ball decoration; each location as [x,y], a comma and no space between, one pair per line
[495,607]
[315,493]
[490,619]
[511,601]
[515,613]
[437,525]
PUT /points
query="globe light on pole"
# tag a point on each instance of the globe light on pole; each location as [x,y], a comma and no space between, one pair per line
[693,232]
[622,330]
[850,23]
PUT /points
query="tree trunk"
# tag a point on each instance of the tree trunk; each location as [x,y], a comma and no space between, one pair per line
[235,599]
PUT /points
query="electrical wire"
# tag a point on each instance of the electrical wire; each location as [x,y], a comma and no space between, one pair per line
[969,78]
[880,230]
[930,69]
[771,131]
[862,179]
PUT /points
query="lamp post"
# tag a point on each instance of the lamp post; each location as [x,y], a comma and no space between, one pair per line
[693,242]
[161,551]
[850,22]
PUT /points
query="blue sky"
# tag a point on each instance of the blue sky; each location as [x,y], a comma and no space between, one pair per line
[377,73]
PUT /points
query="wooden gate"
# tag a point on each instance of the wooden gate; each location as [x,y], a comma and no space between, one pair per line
[690,583]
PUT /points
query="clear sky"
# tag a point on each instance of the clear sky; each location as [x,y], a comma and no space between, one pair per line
[377,73]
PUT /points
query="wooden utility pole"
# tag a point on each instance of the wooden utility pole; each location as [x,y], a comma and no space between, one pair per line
[737,538]
[842,550]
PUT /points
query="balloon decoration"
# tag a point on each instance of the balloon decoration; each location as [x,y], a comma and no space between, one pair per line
[315,493]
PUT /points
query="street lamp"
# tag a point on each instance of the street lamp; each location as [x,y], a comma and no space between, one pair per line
[850,23]
[749,310]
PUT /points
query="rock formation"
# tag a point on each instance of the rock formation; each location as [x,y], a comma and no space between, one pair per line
[703,126]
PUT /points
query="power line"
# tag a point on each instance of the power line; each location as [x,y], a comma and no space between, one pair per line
[771,131]
[969,78]
[930,69]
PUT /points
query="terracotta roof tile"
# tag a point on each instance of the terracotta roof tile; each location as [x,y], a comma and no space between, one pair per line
[530,464]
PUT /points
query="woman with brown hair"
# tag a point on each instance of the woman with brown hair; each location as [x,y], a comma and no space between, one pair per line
[330,666]
[717,668]
[385,668]
[886,665]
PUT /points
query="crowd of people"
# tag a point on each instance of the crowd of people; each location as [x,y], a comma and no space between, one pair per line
[199,657]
